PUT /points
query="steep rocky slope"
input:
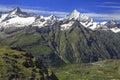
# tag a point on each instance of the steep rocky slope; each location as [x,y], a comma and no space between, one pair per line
[55,41]
[78,44]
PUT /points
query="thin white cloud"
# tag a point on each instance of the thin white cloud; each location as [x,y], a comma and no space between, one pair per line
[116,11]
[57,13]
[3,8]
[110,5]
[98,16]
[112,16]
[115,7]
[114,3]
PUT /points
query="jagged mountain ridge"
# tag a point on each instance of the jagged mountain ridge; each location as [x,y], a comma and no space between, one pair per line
[77,44]
[63,41]
[17,18]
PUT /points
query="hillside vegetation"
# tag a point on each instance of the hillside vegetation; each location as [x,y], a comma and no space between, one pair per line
[19,65]
[102,70]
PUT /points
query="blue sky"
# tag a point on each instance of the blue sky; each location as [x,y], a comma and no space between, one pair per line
[97,9]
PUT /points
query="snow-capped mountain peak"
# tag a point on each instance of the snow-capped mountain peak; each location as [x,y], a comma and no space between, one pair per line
[17,18]
[74,15]
[16,10]
[51,17]
[44,21]
[83,19]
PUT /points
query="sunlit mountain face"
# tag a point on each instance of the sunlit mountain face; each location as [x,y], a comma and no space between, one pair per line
[42,40]
[18,18]
[64,38]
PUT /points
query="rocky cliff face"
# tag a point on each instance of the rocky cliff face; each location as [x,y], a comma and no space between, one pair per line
[77,44]
[73,39]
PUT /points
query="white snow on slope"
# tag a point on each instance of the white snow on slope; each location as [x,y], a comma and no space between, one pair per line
[14,19]
[115,30]
[74,15]
[40,23]
[3,16]
[94,25]
[44,21]
[18,22]
[67,25]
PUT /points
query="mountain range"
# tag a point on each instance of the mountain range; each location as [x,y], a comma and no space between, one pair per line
[73,39]
[17,18]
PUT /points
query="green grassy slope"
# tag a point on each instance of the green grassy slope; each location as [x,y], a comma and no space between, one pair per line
[102,70]
[18,65]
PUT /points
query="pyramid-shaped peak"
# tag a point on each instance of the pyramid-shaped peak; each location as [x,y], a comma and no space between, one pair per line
[74,15]
[16,10]
[75,11]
